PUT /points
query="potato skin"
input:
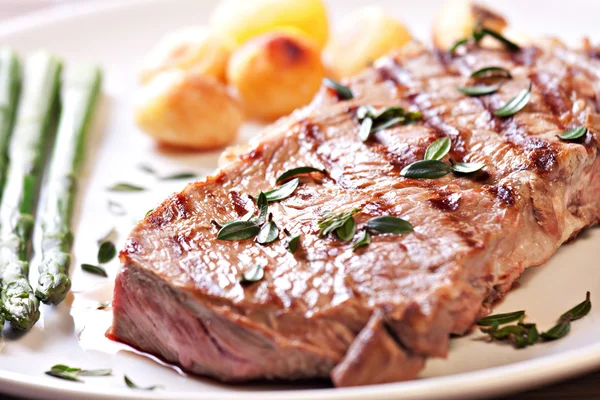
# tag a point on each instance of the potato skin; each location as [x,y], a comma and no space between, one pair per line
[276,73]
[192,48]
[363,36]
[188,110]
[241,20]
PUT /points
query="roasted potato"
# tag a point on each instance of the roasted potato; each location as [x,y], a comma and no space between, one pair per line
[365,35]
[242,20]
[276,72]
[457,18]
[192,48]
[189,110]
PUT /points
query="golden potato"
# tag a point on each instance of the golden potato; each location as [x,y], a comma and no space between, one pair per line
[365,35]
[276,73]
[242,20]
[188,109]
[457,18]
[191,48]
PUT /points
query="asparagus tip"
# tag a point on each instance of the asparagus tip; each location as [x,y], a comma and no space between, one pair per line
[52,288]
[19,305]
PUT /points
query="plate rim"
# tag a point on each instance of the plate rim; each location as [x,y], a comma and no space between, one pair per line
[520,375]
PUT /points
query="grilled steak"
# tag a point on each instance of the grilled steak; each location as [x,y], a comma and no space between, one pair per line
[375,314]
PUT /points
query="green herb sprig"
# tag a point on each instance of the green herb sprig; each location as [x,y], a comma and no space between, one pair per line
[573,134]
[252,274]
[479,32]
[487,80]
[293,243]
[340,223]
[524,334]
[515,104]
[72,374]
[250,225]
[373,120]
[294,172]
[343,92]
[432,168]
[106,253]
[132,385]
[125,187]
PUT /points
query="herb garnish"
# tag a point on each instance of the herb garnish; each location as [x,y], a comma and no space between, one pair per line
[526,334]
[125,187]
[389,224]
[268,233]
[515,104]
[238,230]
[488,80]
[574,134]
[249,225]
[373,120]
[106,252]
[438,149]
[363,238]
[342,91]
[479,89]
[564,322]
[94,269]
[491,72]
[456,45]
[132,385]
[72,374]
[263,209]
[347,230]
[499,319]
[479,32]
[334,222]
[283,191]
[293,243]
[252,274]
[432,168]
[467,168]
[291,173]
[427,169]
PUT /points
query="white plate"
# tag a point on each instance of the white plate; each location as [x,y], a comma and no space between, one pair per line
[117,35]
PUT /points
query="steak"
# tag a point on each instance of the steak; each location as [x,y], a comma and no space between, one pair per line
[374,314]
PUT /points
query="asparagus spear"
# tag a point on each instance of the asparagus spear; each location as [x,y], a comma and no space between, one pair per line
[79,94]
[10,86]
[34,117]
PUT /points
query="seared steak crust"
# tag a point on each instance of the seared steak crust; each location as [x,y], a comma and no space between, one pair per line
[328,310]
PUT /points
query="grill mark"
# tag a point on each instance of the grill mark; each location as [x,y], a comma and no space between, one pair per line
[542,154]
[504,193]
[445,200]
[177,207]
[239,204]
[435,122]
[553,99]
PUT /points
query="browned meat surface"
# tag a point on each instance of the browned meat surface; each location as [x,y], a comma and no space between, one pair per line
[376,314]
